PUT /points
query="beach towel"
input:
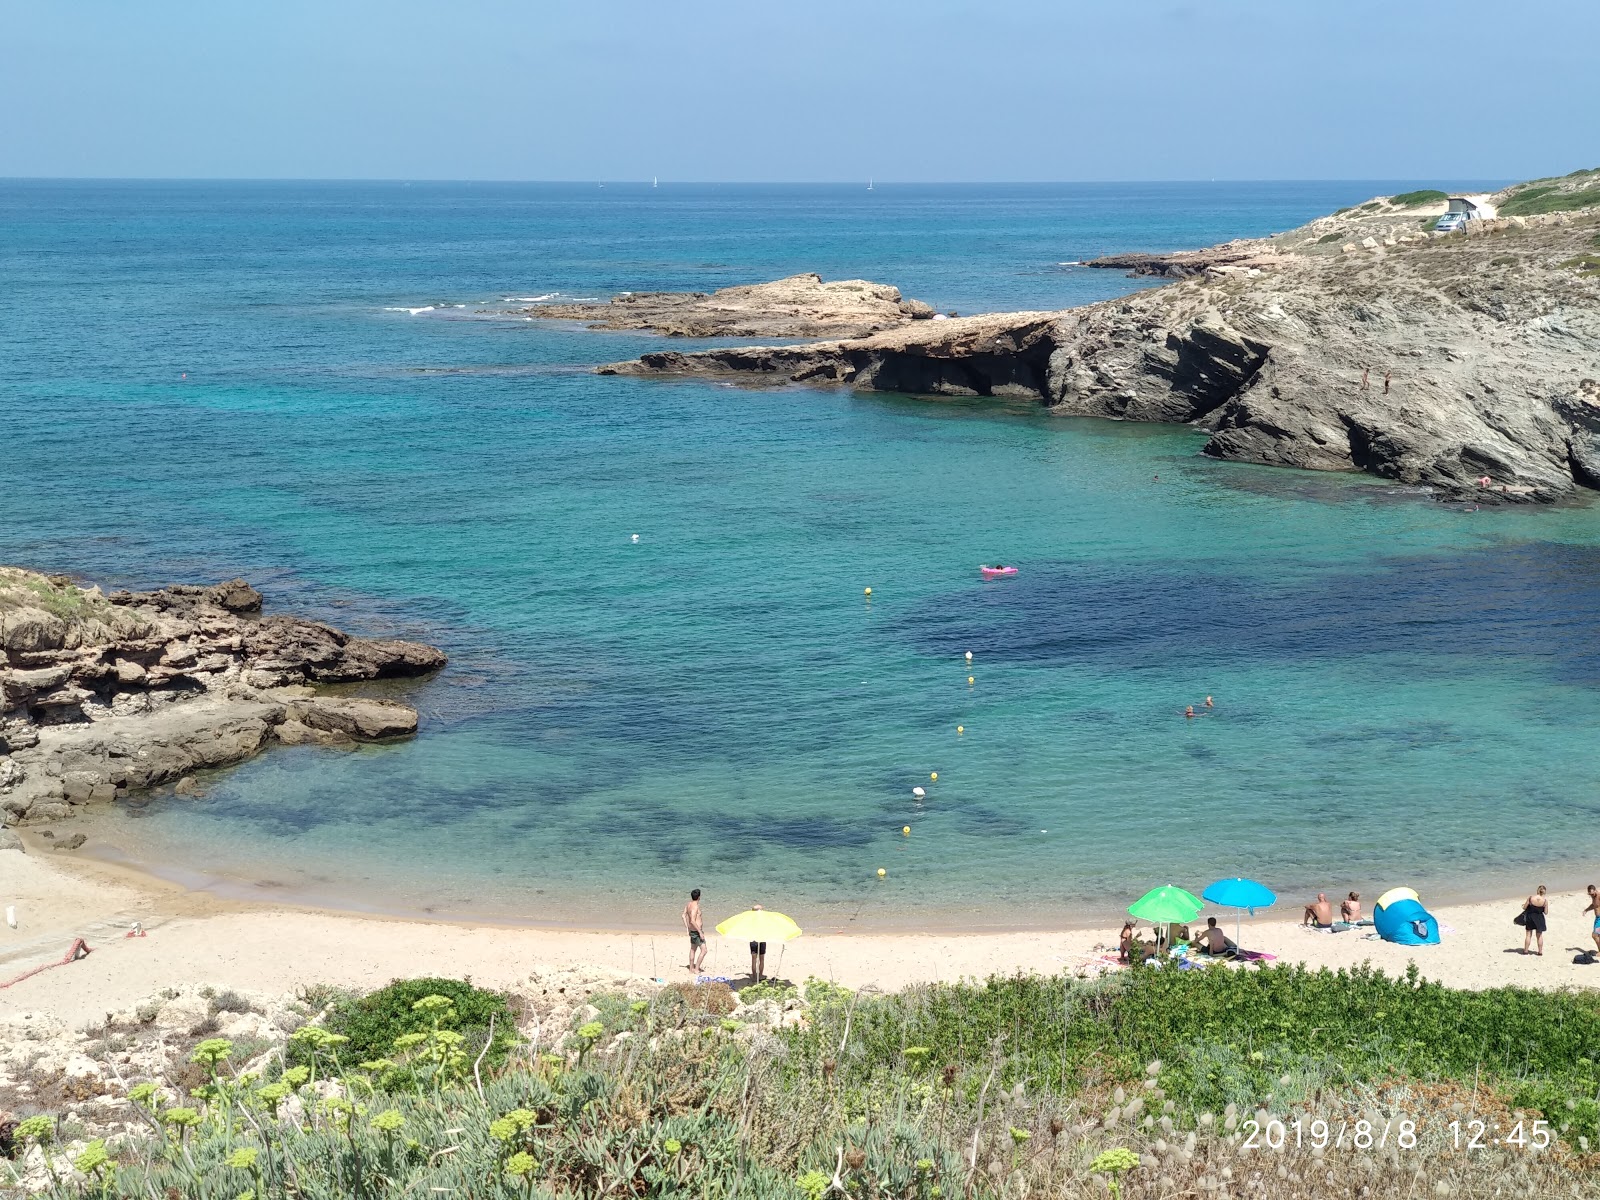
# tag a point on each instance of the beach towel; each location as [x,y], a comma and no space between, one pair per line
[709,979]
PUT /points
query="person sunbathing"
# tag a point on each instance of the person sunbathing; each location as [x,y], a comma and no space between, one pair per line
[1125,942]
[1319,915]
[1213,941]
[1350,908]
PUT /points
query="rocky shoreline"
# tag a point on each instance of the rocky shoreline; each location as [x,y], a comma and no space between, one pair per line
[1467,363]
[105,694]
[801,306]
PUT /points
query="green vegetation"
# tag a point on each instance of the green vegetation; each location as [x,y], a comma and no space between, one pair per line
[1329,237]
[1584,263]
[1142,1085]
[57,595]
[370,1025]
[1531,199]
[1418,198]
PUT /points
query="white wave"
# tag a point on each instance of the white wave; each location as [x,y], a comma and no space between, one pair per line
[412,311]
[529,299]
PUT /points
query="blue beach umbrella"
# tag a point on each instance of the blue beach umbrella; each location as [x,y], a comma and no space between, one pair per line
[1239,894]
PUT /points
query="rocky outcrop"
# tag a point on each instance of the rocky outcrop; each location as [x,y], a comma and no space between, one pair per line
[105,694]
[1437,361]
[801,306]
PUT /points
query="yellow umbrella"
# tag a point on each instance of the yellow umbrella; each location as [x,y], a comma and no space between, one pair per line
[759,925]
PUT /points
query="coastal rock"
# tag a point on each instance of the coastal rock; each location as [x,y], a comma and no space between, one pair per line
[10,841]
[801,306]
[363,718]
[100,694]
[1438,361]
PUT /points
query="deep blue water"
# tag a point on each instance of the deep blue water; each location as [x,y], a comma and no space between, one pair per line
[207,380]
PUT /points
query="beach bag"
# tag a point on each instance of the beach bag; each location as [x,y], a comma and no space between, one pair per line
[1521,918]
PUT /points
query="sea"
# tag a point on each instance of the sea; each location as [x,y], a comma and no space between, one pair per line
[666,670]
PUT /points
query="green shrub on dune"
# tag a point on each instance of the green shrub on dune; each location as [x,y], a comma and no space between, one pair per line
[373,1022]
[1418,198]
[1144,1084]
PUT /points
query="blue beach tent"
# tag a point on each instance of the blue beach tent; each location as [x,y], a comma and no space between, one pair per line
[1400,918]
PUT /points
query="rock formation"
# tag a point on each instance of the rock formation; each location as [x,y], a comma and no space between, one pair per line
[1432,360]
[801,306]
[102,694]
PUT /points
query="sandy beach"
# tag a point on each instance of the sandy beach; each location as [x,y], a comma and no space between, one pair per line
[194,937]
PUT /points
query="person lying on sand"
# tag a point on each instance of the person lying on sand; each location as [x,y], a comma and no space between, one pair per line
[1319,914]
[1350,908]
[1213,941]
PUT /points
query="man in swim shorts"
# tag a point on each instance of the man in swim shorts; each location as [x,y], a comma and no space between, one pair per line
[758,954]
[1213,941]
[697,937]
[1319,915]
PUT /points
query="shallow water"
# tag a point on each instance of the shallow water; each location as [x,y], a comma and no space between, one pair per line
[1406,692]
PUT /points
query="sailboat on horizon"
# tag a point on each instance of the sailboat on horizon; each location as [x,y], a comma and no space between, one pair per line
[654,181]
[869,183]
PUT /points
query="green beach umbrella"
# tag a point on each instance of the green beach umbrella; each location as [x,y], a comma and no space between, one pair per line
[1166,906]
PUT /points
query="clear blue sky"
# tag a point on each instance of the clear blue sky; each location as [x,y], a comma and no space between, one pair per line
[815,90]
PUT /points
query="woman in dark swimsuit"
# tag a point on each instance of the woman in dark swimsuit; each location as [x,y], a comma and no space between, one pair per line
[1534,911]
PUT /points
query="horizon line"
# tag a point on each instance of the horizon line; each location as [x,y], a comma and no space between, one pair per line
[647,181]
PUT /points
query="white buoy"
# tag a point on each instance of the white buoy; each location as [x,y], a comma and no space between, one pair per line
[636,537]
[969,655]
[918,793]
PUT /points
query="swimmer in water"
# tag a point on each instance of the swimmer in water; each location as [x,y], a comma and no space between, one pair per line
[1208,703]
[1189,712]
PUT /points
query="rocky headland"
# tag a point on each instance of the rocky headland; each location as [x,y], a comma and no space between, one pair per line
[102,694]
[1361,341]
[801,306]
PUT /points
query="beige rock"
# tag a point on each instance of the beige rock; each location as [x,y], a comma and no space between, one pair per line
[358,717]
[800,306]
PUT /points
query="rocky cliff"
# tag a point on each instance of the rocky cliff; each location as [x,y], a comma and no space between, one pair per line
[1435,360]
[801,306]
[105,693]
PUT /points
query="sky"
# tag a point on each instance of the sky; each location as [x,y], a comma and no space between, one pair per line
[824,90]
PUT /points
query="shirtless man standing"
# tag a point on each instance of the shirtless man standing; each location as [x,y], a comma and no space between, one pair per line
[1319,914]
[697,936]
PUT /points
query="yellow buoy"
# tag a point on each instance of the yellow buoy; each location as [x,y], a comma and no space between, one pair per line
[868,592]
[906,829]
[961,728]
[969,680]
[881,872]
[934,776]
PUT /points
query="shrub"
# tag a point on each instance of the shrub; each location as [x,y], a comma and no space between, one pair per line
[1420,197]
[1329,237]
[1534,199]
[373,1022]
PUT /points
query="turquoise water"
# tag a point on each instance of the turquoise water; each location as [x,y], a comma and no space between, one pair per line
[1405,692]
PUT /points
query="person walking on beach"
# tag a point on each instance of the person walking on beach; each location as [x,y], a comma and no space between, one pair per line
[758,954]
[695,924]
[1319,913]
[1535,910]
[1594,907]
[1386,377]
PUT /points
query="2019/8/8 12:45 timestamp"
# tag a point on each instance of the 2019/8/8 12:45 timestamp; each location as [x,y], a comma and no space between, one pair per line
[1399,1132]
